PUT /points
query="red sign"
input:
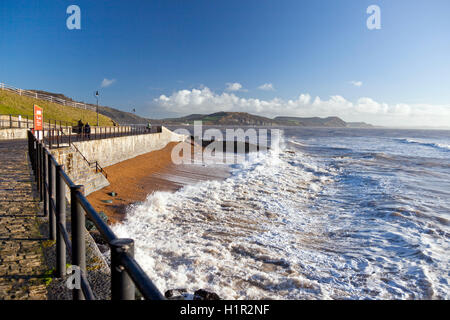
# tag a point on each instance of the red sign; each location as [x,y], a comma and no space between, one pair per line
[38,118]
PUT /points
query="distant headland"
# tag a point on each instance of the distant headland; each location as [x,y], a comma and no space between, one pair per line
[223,118]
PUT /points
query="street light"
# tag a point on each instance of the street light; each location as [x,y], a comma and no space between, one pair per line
[96,96]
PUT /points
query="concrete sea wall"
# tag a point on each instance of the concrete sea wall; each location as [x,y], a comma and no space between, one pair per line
[107,152]
[13,134]
[79,170]
[114,150]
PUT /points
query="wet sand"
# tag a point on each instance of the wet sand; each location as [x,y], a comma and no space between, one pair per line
[134,179]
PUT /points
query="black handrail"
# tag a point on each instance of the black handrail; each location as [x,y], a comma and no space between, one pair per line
[102,227]
[126,273]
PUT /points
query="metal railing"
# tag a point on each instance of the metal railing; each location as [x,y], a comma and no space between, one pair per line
[55,138]
[36,95]
[126,273]
[21,121]
[60,137]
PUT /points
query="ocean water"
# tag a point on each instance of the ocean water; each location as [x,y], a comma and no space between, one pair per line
[330,214]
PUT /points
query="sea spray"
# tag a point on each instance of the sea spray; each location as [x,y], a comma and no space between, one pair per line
[323,217]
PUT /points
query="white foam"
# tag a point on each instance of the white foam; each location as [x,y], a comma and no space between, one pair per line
[235,236]
[425,143]
[277,228]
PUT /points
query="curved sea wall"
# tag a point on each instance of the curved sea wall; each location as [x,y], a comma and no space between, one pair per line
[114,150]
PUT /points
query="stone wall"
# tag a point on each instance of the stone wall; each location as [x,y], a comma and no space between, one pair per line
[17,134]
[107,152]
[114,150]
[79,170]
[13,134]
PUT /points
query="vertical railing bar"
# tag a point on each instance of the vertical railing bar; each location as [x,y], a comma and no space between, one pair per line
[51,192]
[78,243]
[41,174]
[60,220]
[45,182]
[122,287]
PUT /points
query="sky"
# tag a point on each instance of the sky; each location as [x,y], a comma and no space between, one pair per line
[169,58]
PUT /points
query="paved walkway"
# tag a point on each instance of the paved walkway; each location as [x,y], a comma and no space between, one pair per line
[22,268]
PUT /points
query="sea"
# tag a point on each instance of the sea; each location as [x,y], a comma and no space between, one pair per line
[327,213]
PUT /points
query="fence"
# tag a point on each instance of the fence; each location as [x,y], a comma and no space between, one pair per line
[56,138]
[26,121]
[50,98]
[126,274]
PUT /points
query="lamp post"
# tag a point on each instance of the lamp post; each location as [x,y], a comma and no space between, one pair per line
[96,96]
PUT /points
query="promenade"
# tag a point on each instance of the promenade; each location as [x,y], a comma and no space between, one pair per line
[22,268]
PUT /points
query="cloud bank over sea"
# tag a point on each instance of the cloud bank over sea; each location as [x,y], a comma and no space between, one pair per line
[204,100]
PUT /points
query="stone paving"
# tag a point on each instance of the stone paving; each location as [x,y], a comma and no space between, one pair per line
[22,266]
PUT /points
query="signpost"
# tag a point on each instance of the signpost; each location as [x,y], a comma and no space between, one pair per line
[38,122]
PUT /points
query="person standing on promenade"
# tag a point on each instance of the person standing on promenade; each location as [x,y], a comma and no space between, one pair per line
[80,127]
[87,131]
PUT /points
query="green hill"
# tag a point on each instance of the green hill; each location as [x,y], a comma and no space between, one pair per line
[225,118]
[121,117]
[246,119]
[12,103]
[313,122]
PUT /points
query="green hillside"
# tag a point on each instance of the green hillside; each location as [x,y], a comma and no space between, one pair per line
[12,103]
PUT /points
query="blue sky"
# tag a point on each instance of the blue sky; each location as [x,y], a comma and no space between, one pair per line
[169,57]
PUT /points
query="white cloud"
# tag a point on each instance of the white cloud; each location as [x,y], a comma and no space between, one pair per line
[356,83]
[107,82]
[204,100]
[234,86]
[266,87]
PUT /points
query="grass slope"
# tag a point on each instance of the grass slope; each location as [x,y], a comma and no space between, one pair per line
[12,103]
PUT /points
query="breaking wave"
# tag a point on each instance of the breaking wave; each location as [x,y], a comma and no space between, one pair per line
[293,224]
[440,146]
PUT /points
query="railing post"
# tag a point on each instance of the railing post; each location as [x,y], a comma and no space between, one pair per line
[41,169]
[51,193]
[10,121]
[122,287]
[45,176]
[30,153]
[60,221]
[78,243]
[38,170]
[33,150]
